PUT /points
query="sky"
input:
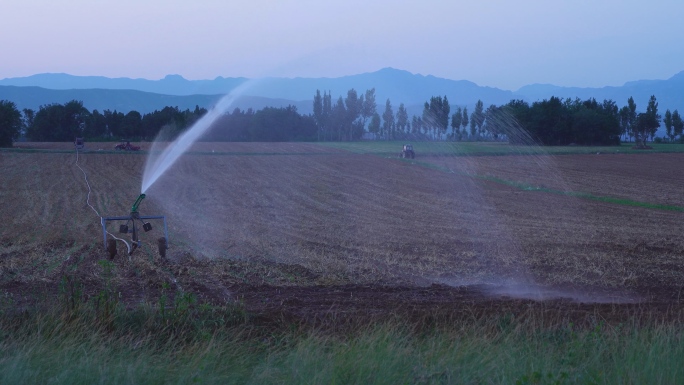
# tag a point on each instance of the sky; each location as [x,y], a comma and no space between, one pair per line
[498,43]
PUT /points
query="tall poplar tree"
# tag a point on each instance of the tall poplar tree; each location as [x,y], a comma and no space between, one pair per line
[402,118]
[667,120]
[677,124]
[464,121]
[327,114]
[318,112]
[369,108]
[456,124]
[388,121]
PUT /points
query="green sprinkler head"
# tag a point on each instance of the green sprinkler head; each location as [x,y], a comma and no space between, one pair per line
[134,209]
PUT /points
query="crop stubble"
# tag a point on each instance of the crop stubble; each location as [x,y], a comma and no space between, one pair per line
[244,218]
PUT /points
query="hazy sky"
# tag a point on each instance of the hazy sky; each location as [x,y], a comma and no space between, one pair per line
[498,43]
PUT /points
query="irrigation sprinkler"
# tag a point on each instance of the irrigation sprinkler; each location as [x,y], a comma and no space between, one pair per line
[130,228]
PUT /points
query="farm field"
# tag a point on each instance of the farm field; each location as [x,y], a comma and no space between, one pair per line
[308,231]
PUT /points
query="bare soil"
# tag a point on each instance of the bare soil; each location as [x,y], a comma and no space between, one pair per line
[307,233]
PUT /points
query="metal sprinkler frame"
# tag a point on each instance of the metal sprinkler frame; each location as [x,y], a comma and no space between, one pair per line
[130,228]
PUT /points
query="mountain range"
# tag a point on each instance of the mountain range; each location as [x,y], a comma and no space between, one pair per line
[143,95]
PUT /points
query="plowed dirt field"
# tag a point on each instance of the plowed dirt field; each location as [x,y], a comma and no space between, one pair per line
[308,232]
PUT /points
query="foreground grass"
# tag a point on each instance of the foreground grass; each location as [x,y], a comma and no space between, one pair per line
[221,345]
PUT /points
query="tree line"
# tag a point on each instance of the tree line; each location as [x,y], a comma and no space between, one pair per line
[269,124]
[553,121]
[349,118]
[64,122]
[572,121]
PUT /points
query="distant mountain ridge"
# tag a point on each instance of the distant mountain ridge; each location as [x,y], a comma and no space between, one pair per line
[669,93]
[129,100]
[170,85]
[143,95]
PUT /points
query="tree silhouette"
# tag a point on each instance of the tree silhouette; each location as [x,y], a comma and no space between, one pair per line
[10,123]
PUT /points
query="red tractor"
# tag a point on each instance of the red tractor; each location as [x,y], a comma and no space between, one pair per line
[126,145]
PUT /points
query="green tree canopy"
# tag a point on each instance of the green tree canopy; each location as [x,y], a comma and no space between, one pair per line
[416,124]
[318,113]
[281,125]
[667,120]
[464,121]
[369,107]
[353,119]
[562,122]
[456,124]
[57,122]
[647,123]
[387,128]
[477,119]
[10,123]
[402,119]
[677,123]
[374,125]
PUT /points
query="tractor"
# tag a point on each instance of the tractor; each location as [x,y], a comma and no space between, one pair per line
[407,152]
[125,145]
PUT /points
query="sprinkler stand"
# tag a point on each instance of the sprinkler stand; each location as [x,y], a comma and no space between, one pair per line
[130,228]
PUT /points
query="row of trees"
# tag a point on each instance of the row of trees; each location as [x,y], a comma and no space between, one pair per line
[552,122]
[431,124]
[266,125]
[674,125]
[346,119]
[561,122]
[643,125]
[63,122]
[349,118]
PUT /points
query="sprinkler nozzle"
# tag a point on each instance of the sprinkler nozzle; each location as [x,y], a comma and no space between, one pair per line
[134,209]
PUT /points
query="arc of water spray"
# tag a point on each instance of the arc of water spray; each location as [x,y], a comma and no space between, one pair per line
[157,165]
